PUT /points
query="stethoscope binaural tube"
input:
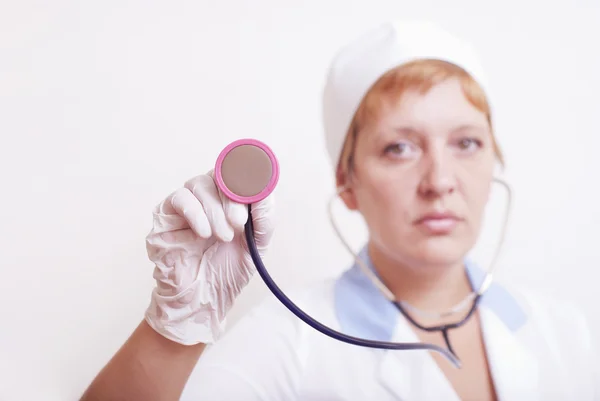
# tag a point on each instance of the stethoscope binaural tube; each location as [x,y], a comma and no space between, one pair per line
[247,171]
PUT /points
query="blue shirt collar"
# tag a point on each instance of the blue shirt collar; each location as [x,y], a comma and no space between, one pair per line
[364,312]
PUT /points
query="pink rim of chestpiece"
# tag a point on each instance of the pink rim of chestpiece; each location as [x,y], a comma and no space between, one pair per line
[267,189]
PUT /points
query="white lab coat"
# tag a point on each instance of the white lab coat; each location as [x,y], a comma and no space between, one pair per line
[538,349]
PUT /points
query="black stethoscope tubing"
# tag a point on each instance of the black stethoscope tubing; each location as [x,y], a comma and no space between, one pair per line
[279,294]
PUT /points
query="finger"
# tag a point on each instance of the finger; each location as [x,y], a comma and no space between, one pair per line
[187,206]
[166,219]
[205,190]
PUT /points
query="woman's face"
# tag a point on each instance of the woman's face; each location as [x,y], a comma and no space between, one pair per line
[422,176]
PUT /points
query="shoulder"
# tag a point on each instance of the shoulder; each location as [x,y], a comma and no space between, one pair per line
[546,329]
[263,356]
[558,328]
[271,314]
[556,316]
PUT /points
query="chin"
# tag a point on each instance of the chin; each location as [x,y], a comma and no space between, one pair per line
[440,251]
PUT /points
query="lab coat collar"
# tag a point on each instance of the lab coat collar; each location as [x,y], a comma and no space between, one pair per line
[513,365]
[414,375]
[376,318]
[364,312]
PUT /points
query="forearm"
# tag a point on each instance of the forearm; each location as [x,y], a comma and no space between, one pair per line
[148,367]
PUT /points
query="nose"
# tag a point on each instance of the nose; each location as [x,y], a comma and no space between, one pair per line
[438,176]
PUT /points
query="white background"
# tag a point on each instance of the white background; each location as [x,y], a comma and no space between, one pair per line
[108,106]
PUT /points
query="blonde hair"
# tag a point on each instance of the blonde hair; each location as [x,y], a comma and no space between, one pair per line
[418,75]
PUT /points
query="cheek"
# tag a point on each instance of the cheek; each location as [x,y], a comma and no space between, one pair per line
[477,193]
[385,201]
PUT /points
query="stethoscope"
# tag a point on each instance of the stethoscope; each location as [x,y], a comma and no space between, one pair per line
[247,171]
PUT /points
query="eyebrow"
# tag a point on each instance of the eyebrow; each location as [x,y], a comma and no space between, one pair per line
[406,130]
[469,127]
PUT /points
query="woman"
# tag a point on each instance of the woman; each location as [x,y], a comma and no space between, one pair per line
[409,130]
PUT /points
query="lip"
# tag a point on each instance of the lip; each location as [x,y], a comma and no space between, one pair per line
[438,222]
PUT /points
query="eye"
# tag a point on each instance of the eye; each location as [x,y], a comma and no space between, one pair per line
[400,149]
[469,144]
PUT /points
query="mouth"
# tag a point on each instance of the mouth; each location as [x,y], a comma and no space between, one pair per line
[438,223]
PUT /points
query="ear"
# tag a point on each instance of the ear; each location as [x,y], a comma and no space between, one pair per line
[344,184]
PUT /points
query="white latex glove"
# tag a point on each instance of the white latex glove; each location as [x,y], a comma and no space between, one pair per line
[202,261]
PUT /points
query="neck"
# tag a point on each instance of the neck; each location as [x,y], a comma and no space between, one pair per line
[433,288]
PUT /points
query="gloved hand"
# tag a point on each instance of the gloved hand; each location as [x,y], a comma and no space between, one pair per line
[202,261]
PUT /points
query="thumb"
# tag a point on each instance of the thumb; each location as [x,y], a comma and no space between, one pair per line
[262,216]
[263,221]
[235,213]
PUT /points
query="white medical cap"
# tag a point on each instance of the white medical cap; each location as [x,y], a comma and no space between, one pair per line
[359,64]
